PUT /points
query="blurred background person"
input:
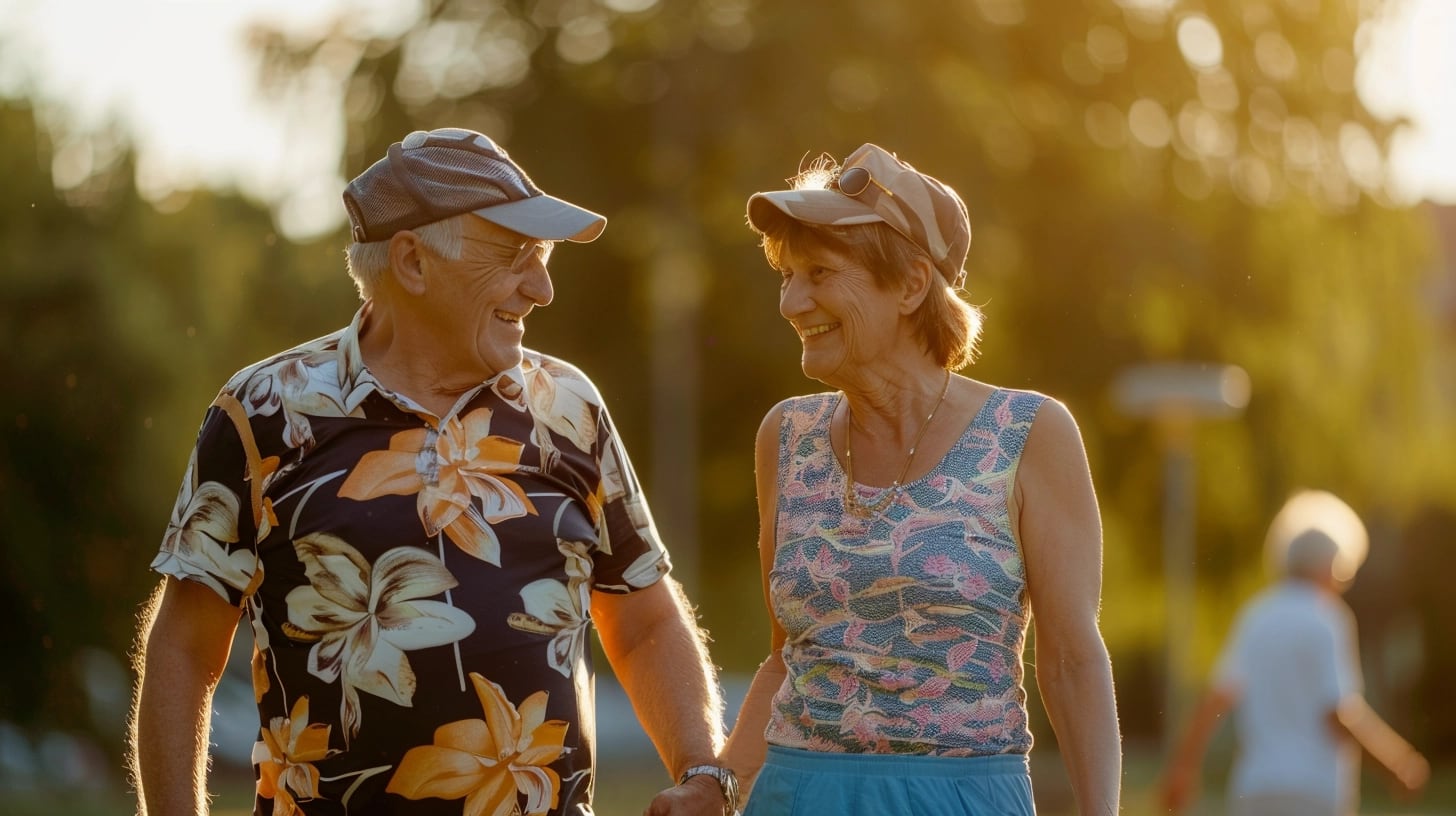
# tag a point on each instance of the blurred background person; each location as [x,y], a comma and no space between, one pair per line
[1291,673]
[911,520]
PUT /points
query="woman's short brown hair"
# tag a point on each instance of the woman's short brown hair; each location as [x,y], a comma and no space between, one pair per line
[948,327]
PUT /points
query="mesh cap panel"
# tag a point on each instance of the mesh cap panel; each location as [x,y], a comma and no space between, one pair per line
[432,175]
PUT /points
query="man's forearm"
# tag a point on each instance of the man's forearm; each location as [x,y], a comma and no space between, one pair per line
[182,648]
[1355,717]
[667,674]
[170,748]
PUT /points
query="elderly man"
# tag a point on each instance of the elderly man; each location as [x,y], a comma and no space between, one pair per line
[1290,672]
[421,520]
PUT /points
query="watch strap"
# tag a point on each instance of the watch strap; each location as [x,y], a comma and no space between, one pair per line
[727,783]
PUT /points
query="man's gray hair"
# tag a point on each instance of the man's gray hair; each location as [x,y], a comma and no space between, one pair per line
[367,262]
[1315,535]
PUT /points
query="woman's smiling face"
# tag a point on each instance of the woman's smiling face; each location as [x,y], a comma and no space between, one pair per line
[842,316]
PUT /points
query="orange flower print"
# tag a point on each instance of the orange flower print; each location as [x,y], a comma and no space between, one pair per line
[451,469]
[285,757]
[491,762]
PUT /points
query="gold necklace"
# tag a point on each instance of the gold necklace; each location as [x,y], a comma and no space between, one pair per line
[852,501]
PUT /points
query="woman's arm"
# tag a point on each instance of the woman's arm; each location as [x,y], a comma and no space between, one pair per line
[746,745]
[1061,540]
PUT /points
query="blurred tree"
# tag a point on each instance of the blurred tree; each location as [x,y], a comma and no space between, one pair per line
[118,324]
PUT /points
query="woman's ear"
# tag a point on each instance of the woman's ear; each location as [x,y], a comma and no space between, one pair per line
[915,286]
[406,262]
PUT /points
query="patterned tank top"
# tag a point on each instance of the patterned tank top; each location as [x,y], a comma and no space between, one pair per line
[905,630]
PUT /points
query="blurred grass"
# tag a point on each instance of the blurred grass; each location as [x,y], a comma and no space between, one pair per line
[624,787]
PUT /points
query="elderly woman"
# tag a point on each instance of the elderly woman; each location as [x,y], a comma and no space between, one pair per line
[911,520]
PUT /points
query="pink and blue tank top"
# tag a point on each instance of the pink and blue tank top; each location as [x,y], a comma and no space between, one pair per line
[905,629]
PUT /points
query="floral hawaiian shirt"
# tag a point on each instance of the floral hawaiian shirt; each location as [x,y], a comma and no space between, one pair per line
[418,587]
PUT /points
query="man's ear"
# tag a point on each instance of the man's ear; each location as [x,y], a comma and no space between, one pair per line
[406,262]
[916,284]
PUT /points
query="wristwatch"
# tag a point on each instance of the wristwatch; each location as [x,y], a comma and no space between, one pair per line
[727,783]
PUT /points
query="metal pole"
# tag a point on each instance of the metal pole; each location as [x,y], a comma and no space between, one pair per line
[1178,578]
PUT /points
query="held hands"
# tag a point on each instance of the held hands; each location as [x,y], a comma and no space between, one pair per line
[698,796]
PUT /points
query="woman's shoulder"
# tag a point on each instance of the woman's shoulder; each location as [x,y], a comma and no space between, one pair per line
[1008,404]
[803,404]
[809,402]
[800,412]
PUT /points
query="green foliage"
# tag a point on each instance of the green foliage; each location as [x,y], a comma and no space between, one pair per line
[119,324]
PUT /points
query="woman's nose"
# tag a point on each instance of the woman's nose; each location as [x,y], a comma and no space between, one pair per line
[794,297]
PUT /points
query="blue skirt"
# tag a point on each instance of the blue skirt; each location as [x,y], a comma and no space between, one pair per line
[815,783]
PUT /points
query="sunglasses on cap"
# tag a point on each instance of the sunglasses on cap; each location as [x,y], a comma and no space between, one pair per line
[854,181]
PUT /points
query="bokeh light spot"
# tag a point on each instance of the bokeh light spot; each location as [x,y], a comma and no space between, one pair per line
[1199,42]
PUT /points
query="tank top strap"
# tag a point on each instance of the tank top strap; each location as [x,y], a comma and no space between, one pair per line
[1012,412]
[804,430]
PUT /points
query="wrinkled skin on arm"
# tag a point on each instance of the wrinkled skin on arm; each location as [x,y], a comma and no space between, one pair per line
[183,642]
[746,745]
[1061,539]
[653,642]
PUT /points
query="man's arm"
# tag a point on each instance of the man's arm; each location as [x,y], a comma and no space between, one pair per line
[1180,781]
[659,655]
[1354,717]
[183,643]
[1061,540]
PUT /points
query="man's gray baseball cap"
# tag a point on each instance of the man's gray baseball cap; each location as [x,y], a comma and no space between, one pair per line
[433,175]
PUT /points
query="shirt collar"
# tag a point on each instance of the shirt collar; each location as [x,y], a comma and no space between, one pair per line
[351,368]
[355,379]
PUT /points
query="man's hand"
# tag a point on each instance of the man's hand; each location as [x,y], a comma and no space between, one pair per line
[698,796]
[1411,774]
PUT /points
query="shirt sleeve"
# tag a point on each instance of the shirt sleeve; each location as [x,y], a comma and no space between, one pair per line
[630,554]
[1343,656]
[211,533]
[1231,671]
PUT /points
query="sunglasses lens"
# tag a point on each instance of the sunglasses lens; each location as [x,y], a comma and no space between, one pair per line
[533,251]
[853,181]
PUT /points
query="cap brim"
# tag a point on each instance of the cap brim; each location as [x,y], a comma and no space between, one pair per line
[546,218]
[822,207]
